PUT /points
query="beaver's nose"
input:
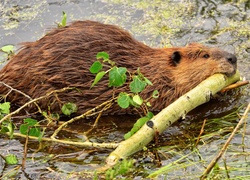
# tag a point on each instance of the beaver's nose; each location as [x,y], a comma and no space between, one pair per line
[231,58]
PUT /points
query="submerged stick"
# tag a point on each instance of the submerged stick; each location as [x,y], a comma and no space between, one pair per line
[197,96]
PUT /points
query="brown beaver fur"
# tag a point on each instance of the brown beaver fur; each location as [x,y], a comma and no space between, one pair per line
[63,56]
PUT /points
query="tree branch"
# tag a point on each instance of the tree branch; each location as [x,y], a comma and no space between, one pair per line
[195,97]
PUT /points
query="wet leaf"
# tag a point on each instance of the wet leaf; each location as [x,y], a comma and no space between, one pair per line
[143,78]
[98,77]
[95,67]
[4,129]
[11,159]
[64,19]
[11,128]
[102,55]
[150,115]
[137,85]
[7,126]
[69,108]
[5,108]
[30,121]
[123,100]
[137,99]
[30,125]
[127,135]
[147,81]
[155,94]
[35,131]
[117,76]
[139,123]
[8,49]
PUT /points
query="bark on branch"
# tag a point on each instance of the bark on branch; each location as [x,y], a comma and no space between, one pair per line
[197,96]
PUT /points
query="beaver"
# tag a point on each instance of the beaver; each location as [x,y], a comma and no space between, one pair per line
[62,58]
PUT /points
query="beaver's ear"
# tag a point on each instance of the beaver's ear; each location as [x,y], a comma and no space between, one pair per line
[176,58]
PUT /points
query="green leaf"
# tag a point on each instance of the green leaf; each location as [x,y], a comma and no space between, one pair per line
[139,123]
[11,159]
[8,49]
[150,115]
[147,81]
[64,19]
[155,94]
[102,55]
[5,108]
[7,126]
[138,100]
[24,129]
[143,78]
[69,108]
[4,130]
[11,128]
[123,100]
[95,67]
[117,76]
[35,131]
[137,85]
[30,121]
[30,124]
[127,135]
[98,77]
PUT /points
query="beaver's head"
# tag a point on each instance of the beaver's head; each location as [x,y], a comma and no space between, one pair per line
[199,57]
[195,62]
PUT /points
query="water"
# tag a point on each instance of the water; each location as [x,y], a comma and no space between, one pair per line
[224,24]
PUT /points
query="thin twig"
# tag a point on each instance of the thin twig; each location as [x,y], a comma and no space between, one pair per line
[222,151]
[11,88]
[94,125]
[201,132]
[25,149]
[32,101]
[235,85]
[98,117]
[106,105]
[82,144]
[20,92]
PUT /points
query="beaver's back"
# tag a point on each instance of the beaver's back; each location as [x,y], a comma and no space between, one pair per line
[62,58]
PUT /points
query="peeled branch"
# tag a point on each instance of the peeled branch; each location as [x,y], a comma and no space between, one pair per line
[160,122]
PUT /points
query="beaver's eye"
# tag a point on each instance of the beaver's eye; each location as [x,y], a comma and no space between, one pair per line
[176,58]
[206,56]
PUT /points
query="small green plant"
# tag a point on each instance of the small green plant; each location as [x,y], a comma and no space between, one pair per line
[8,52]
[118,77]
[4,109]
[8,49]
[6,126]
[11,159]
[31,127]
[64,20]
[69,108]
[139,123]
[121,168]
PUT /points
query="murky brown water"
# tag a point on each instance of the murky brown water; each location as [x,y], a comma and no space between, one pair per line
[225,24]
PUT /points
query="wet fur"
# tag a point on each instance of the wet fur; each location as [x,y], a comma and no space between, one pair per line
[62,59]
